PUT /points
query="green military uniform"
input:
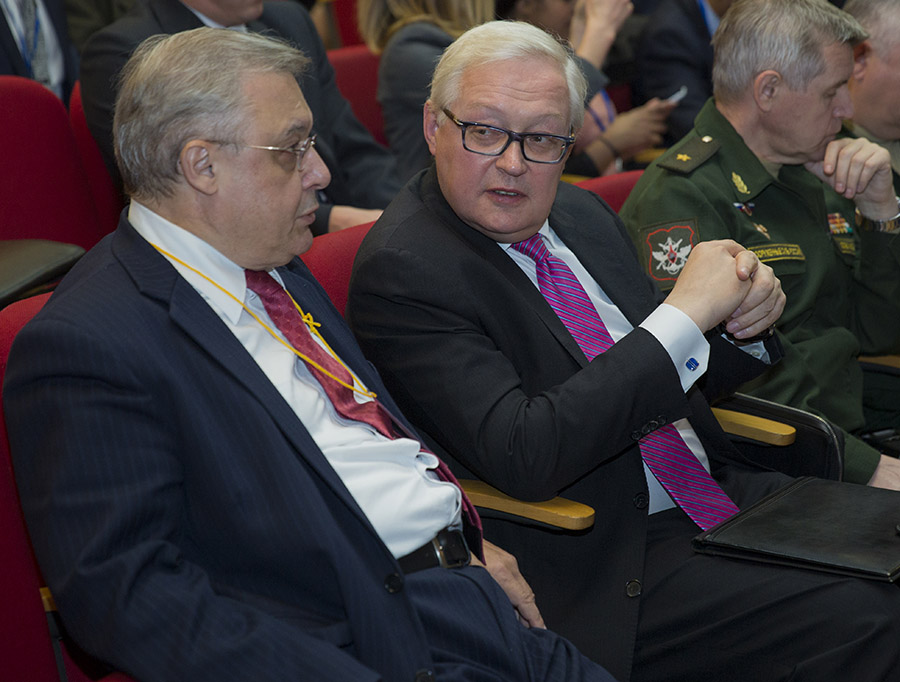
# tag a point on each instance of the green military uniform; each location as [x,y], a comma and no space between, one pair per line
[842,284]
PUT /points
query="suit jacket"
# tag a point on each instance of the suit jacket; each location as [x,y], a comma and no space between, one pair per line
[187,523]
[675,50]
[483,366]
[363,173]
[11,62]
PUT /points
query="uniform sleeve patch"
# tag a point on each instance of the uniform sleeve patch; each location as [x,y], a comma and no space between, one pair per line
[666,248]
[773,252]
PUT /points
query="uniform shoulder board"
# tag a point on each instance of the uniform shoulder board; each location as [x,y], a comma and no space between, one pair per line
[690,155]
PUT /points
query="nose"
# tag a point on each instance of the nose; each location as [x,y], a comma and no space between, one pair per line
[314,171]
[512,161]
[843,107]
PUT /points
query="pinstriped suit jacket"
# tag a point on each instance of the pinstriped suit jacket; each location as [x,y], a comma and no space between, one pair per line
[185,520]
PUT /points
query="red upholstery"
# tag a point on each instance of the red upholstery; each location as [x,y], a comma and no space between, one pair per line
[43,190]
[107,199]
[614,189]
[356,74]
[621,96]
[330,259]
[345,15]
[25,648]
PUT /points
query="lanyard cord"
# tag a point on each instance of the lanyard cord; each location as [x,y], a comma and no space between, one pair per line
[307,318]
[27,50]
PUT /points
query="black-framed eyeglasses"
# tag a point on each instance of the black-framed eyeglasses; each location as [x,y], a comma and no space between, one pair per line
[299,150]
[479,138]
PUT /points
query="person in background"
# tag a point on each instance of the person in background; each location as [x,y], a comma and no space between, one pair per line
[875,84]
[608,138]
[363,173]
[34,43]
[762,167]
[674,51]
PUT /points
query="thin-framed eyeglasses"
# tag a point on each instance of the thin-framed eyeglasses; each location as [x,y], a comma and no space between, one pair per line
[299,150]
[486,140]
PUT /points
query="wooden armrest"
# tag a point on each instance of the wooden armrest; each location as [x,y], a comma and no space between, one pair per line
[758,428]
[558,512]
[884,360]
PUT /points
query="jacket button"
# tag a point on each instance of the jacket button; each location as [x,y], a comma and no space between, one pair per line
[633,588]
[393,583]
[661,420]
[641,500]
[645,429]
[424,676]
[636,435]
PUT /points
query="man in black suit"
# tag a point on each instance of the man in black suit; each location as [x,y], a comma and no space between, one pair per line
[57,65]
[364,177]
[206,505]
[486,347]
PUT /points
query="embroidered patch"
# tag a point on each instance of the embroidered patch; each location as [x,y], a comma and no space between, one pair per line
[668,249]
[846,246]
[739,183]
[772,252]
[837,224]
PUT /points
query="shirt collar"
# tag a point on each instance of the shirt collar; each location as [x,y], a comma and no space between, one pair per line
[195,253]
[214,24]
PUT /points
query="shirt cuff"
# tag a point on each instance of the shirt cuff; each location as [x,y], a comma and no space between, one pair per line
[683,341]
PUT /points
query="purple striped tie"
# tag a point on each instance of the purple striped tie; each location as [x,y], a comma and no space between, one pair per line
[663,450]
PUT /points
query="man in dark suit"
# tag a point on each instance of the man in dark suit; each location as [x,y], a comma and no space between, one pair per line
[488,349]
[674,51]
[364,177]
[58,68]
[210,500]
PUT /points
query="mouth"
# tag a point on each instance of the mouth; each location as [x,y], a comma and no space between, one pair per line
[505,193]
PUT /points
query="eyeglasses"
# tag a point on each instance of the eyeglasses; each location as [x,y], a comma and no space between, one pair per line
[299,150]
[479,138]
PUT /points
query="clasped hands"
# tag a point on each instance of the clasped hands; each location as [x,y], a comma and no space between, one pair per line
[724,282]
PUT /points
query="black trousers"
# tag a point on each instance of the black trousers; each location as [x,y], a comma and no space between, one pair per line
[710,618]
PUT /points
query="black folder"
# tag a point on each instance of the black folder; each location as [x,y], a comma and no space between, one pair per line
[817,524]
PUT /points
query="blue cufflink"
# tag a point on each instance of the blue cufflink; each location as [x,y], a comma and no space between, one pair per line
[692,364]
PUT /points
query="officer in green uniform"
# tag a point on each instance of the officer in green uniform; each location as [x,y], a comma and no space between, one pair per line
[762,167]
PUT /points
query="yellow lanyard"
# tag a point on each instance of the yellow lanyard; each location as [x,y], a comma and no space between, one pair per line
[306,317]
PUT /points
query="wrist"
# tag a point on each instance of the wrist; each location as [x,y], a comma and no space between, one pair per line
[889,225]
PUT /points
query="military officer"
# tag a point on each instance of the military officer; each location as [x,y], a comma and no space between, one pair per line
[763,167]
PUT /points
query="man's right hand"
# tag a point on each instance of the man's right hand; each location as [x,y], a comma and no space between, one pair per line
[723,281]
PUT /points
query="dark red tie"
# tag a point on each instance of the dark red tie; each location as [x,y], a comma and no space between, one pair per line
[663,450]
[287,318]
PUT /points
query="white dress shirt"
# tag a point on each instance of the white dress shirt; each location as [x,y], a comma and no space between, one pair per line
[417,504]
[25,35]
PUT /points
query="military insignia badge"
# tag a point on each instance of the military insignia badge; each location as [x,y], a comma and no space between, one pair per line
[746,209]
[739,184]
[762,230]
[838,224]
[682,157]
[667,249]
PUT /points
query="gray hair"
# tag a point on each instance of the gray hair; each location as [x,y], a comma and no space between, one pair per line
[787,36]
[880,18]
[182,87]
[498,41]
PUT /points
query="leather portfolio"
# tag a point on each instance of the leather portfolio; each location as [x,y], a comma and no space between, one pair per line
[817,524]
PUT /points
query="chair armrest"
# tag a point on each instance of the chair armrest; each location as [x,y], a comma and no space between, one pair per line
[26,264]
[756,428]
[558,512]
[892,361]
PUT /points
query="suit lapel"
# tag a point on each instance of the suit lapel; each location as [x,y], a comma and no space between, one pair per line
[157,279]
[11,49]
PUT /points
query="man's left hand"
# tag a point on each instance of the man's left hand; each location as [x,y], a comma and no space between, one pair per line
[859,170]
[764,302]
[504,568]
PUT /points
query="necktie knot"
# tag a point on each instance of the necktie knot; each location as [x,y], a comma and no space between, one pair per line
[261,283]
[534,248]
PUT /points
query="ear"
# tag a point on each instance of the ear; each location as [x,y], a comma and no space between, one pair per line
[430,125]
[196,165]
[767,86]
[862,53]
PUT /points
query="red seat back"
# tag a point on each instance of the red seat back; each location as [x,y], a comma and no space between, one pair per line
[43,190]
[345,15]
[613,189]
[356,75]
[107,199]
[330,259]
